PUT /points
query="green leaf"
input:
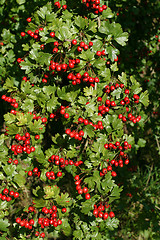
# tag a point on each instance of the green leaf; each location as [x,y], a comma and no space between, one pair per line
[2,177]
[89,91]
[36,126]
[106,73]
[64,200]
[51,192]
[123,78]
[4,224]
[78,234]
[122,39]
[87,206]
[87,55]
[20,1]
[144,99]
[88,131]
[115,194]
[44,58]
[13,129]
[65,32]
[97,44]
[20,180]
[80,22]
[9,85]
[114,67]
[112,52]
[26,65]
[39,202]
[92,26]
[66,228]
[9,118]
[105,27]
[10,170]
[28,105]
[141,142]
[49,90]
[112,223]
[116,122]
[108,13]
[42,12]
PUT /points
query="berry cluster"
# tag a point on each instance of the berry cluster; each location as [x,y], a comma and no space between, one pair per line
[62,67]
[24,145]
[120,158]
[62,162]
[7,195]
[74,134]
[25,223]
[104,108]
[80,189]
[59,111]
[51,175]
[115,146]
[105,170]
[34,34]
[13,161]
[34,172]
[101,53]
[82,45]
[94,5]
[50,220]
[58,5]
[78,78]
[10,100]
[99,212]
[86,122]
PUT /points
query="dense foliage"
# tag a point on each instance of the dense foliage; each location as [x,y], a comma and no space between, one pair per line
[79,143]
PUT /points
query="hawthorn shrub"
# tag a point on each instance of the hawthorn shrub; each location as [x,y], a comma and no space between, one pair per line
[68,129]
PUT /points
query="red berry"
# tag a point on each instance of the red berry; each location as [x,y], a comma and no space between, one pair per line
[64,210]
[52,34]
[37,137]
[87,196]
[111,214]
[66,115]
[42,235]
[16,195]
[23,34]
[74,41]
[29,19]
[18,220]
[30,173]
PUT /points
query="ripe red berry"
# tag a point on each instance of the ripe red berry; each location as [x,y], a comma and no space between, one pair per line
[66,115]
[74,41]
[111,214]
[87,196]
[98,53]
[105,216]
[30,173]
[52,34]
[18,220]
[16,195]
[37,137]
[64,210]
[29,19]
[42,235]
[23,34]
[85,189]
[114,174]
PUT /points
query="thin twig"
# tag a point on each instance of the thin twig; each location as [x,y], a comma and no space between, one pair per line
[157,143]
[149,176]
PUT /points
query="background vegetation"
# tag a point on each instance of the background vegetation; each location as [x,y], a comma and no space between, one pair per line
[138,209]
